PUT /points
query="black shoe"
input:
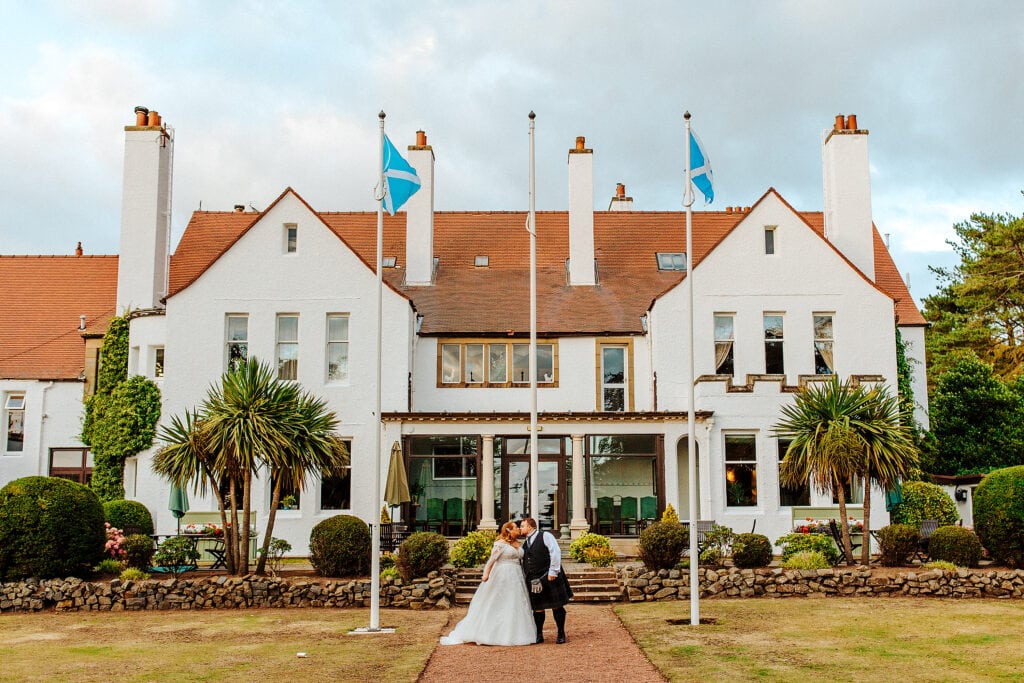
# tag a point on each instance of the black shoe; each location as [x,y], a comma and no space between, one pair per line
[560,639]
[540,638]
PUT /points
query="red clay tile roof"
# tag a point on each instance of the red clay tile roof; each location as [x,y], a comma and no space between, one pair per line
[466,300]
[41,299]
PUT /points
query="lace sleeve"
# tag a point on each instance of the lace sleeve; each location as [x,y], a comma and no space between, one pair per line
[495,554]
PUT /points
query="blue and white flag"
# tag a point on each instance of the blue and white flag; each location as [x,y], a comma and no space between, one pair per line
[700,169]
[400,179]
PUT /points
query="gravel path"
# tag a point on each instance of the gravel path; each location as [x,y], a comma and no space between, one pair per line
[598,648]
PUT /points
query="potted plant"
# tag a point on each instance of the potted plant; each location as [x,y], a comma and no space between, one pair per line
[289,502]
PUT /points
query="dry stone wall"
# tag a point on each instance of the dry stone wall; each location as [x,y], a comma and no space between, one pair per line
[435,591]
[642,585]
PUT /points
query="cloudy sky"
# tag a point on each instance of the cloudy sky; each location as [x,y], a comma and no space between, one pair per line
[265,95]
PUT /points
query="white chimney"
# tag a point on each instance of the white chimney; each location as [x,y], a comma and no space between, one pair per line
[145,213]
[847,181]
[419,219]
[620,202]
[581,214]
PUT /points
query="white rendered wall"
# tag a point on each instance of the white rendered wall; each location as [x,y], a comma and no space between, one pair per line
[256,277]
[581,217]
[145,219]
[419,231]
[53,419]
[847,181]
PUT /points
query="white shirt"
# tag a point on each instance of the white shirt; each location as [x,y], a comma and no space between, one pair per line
[553,550]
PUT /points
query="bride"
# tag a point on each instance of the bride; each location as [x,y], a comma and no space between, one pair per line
[499,613]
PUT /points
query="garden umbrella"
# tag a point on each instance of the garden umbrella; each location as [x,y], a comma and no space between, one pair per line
[893,497]
[178,504]
[396,490]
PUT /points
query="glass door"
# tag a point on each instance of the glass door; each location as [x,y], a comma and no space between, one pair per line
[553,492]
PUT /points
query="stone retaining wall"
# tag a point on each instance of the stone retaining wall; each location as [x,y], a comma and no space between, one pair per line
[436,591]
[642,585]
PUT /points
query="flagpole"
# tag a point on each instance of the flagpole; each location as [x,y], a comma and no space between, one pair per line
[375,525]
[691,450]
[534,457]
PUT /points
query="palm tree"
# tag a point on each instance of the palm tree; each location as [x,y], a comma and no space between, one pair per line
[840,431]
[313,448]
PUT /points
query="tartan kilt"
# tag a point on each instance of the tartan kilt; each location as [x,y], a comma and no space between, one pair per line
[555,594]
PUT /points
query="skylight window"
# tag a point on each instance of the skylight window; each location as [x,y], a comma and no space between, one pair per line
[671,260]
[389,261]
[481,261]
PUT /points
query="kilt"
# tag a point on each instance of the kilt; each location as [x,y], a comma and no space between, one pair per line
[555,594]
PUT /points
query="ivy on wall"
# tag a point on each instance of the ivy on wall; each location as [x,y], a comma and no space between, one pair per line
[120,418]
[904,380]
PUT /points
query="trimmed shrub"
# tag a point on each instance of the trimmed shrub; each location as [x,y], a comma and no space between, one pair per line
[711,556]
[955,544]
[138,551]
[806,559]
[176,553]
[751,550]
[130,516]
[578,548]
[662,544]
[792,544]
[999,515]
[940,564]
[423,552]
[921,501]
[110,567]
[670,514]
[599,555]
[49,528]
[897,543]
[340,546]
[133,574]
[473,549]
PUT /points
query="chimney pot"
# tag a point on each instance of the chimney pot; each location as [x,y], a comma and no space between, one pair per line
[78,250]
[620,190]
[728,209]
[239,208]
[154,118]
[421,139]
[839,122]
[581,143]
[81,322]
[851,122]
[141,115]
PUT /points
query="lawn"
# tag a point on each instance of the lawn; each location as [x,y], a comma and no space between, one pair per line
[834,639]
[216,645]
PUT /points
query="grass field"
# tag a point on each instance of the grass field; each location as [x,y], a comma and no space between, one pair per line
[216,645]
[834,639]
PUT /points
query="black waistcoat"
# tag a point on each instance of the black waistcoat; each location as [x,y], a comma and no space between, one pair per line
[536,558]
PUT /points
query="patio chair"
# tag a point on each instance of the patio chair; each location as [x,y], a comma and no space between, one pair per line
[454,515]
[435,515]
[928,527]
[837,536]
[605,515]
[628,518]
[649,508]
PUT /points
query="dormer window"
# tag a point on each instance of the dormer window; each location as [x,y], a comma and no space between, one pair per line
[481,261]
[671,260]
[389,261]
[291,238]
[769,239]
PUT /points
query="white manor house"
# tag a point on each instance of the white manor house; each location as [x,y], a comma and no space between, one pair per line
[783,297]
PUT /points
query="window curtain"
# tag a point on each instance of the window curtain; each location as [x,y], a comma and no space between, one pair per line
[825,350]
[722,351]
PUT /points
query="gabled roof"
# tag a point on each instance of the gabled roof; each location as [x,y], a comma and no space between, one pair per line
[41,299]
[467,300]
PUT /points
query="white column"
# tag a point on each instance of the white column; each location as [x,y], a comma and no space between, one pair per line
[487,520]
[578,526]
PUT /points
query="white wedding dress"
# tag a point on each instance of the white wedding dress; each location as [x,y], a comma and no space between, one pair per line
[499,613]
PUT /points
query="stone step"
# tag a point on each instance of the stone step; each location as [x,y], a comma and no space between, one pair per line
[589,584]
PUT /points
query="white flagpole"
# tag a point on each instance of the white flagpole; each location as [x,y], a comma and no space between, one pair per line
[375,524]
[691,450]
[534,458]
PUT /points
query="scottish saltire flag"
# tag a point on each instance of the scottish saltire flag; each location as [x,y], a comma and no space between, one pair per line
[700,169]
[400,179]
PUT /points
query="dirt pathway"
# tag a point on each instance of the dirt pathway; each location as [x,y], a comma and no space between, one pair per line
[598,649]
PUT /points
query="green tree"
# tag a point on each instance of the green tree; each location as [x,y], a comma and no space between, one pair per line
[981,304]
[250,422]
[120,418]
[839,431]
[977,419]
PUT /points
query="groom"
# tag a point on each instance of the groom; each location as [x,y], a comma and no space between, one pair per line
[542,566]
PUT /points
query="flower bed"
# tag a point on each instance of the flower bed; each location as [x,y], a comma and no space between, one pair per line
[820,526]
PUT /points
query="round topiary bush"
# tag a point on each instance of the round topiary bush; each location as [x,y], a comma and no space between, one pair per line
[472,549]
[662,544]
[49,528]
[423,552]
[897,542]
[751,550]
[130,516]
[578,548]
[955,544]
[922,501]
[806,559]
[138,551]
[340,546]
[792,544]
[999,515]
